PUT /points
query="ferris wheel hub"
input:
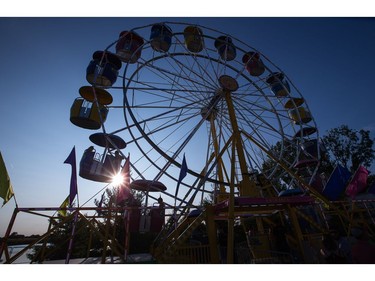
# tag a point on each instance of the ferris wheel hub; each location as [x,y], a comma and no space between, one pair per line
[210,110]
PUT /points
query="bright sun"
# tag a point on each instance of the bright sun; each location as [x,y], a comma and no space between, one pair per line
[117,179]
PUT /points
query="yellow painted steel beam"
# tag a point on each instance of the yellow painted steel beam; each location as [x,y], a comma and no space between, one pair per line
[248,187]
[216,151]
[230,242]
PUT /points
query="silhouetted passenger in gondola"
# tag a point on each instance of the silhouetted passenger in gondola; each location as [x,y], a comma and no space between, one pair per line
[161,206]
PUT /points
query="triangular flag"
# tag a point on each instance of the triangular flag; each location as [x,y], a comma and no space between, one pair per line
[183,173]
[6,189]
[64,204]
[336,183]
[358,183]
[73,179]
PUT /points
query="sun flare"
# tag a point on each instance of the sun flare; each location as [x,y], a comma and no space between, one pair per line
[117,179]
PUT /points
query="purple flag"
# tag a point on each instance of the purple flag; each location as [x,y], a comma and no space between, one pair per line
[73,179]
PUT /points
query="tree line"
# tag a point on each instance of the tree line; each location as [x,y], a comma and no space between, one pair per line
[351,148]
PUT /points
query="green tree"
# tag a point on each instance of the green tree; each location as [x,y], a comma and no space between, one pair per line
[350,147]
[286,151]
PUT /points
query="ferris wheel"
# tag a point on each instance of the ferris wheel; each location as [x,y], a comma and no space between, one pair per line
[191,93]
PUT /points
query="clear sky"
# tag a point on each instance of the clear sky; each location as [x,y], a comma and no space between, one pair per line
[330,60]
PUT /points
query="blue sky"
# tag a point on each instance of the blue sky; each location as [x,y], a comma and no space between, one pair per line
[330,60]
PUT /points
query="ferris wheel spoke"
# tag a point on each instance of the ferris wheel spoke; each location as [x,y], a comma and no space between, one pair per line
[169,124]
[195,58]
[254,118]
[177,90]
[195,80]
[167,114]
[212,77]
[189,71]
[170,91]
[255,124]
